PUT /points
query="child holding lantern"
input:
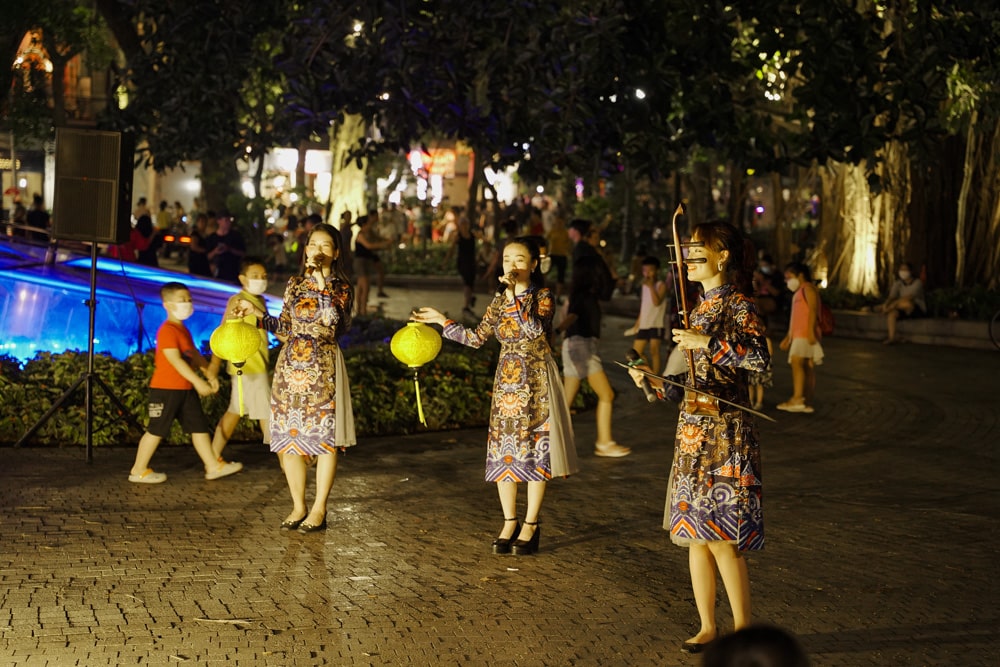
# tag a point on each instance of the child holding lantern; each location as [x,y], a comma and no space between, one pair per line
[530,433]
[256,378]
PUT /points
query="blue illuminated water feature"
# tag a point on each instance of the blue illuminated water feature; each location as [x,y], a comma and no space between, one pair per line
[43,308]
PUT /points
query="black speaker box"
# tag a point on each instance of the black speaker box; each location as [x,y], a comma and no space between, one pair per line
[93,193]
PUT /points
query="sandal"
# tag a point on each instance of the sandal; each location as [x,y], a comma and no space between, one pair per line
[611,450]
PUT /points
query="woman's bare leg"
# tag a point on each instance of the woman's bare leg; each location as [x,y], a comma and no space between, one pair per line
[701,563]
[736,578]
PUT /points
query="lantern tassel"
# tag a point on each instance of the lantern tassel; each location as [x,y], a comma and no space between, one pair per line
[420,407]
[239,381]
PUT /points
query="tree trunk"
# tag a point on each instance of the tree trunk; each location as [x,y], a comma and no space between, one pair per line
[866,233]
[347,180]
[475,178]
[977,233]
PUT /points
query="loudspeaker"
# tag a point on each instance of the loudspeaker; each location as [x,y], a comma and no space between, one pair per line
[93,193]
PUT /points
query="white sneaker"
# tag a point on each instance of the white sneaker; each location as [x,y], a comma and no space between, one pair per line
[148,477]
[611,450]
[224,470]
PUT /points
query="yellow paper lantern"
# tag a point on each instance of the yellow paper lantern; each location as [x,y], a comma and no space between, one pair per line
[235,341]
[415,345]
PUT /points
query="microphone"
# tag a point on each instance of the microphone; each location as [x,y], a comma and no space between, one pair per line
[634,359]
[314,263]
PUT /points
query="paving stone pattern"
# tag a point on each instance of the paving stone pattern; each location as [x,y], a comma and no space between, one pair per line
[881,544]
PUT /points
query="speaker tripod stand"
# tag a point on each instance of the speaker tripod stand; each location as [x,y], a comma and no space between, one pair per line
[88,378]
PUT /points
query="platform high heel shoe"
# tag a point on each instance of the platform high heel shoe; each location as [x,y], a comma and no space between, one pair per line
[527,547]
[501,545]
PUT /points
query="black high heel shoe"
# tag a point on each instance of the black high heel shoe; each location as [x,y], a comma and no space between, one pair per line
[306,527]
[292,525]
[501,545]
[527,547]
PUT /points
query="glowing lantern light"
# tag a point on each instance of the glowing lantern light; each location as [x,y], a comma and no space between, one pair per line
[236,341]
[415,345]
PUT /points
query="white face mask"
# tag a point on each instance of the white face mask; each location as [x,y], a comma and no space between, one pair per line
[257,286]
[181,311]
[904,275]
[793,284]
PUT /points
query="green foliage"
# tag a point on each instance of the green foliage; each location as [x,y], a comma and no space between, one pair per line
[199,76]
[593,208]
[840,298]
[456,390]
[416,261]
[27,393]
[976,303]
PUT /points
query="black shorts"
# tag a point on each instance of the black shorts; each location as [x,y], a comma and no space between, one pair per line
[917,313]
[184,405]
[650,334]
[467,270]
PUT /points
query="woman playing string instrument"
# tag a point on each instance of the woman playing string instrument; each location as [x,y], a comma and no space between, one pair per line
[713,496]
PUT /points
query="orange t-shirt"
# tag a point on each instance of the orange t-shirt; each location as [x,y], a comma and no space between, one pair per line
[165,376]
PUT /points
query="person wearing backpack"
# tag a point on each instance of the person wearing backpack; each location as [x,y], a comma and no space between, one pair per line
[802,341]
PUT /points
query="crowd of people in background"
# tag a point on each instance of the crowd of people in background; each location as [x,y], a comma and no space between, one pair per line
[211,244]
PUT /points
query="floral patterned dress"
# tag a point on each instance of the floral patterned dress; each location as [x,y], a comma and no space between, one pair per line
[530,433]
[310,399]
[714,492]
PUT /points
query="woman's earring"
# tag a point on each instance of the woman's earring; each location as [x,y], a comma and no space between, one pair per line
[720,266]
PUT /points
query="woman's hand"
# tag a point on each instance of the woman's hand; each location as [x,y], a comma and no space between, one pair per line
[244,308]
[638,376]
[689,339]
[317,268]
[509,280]
[785,343]
[427,316]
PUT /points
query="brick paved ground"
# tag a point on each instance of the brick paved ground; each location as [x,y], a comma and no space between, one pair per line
[880,550]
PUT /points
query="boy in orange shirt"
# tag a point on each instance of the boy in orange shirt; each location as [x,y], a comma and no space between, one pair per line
[174,392]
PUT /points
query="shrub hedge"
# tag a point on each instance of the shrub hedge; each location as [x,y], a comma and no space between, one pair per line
[456,389]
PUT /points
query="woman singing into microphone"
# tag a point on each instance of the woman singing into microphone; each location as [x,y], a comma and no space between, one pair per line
[530,434]
[310,398]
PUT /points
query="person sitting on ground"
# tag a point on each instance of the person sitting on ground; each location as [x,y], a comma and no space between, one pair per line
[906,300]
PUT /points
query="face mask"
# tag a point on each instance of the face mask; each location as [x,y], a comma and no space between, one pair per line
[765,269]
[793,284]
[904,275]
[257,286]
[181,311]
[545,264]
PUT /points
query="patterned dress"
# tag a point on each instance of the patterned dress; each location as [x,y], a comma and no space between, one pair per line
[310,399]
[530,433]
[714,492]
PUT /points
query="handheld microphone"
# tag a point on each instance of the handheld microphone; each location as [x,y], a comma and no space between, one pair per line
[633,359]
[315,262]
